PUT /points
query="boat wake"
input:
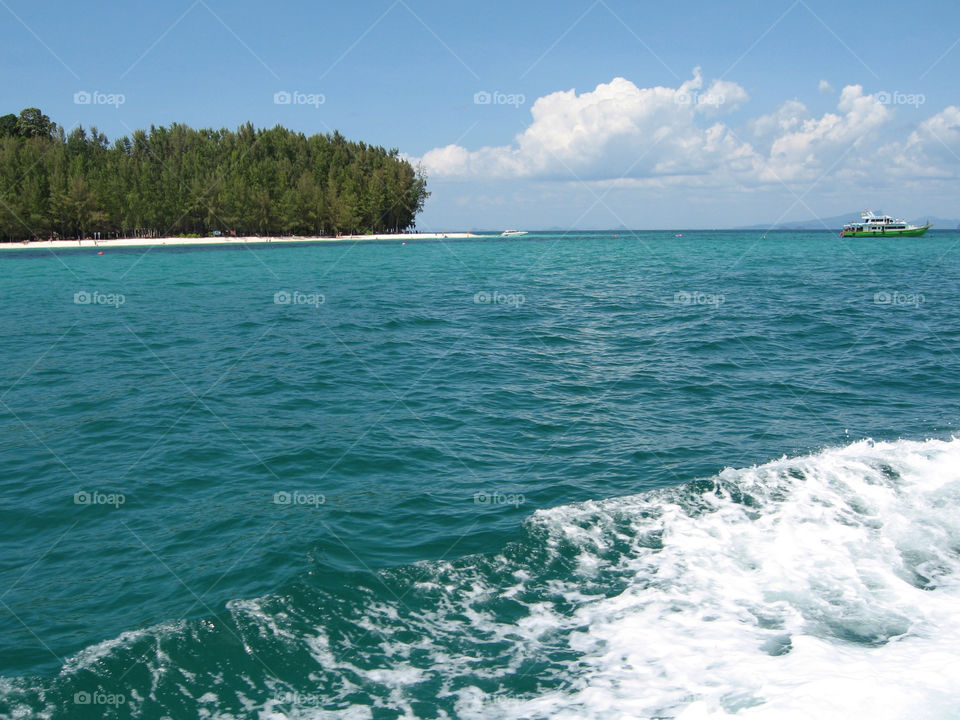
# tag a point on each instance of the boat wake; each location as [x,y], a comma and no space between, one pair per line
[821,586]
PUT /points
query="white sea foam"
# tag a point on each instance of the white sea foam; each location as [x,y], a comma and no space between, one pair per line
[90,656]
[825,586]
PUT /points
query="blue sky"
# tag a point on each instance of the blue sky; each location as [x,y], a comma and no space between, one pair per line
[683,114]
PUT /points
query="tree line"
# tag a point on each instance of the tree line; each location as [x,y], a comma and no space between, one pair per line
[177,180]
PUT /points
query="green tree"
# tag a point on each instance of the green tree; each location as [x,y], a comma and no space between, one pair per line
[33,123]
[177,179]
[8,125]
[76,209]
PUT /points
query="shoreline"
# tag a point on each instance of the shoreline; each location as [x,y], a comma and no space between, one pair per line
[89,244]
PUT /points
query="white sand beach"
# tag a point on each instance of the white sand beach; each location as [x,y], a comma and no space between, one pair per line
[221,240]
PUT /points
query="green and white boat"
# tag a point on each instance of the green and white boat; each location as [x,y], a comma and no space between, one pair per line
[871,225]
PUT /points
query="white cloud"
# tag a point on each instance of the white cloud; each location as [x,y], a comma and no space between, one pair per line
[722,96]
[785,119]
[615,130]
[622,134]
[932,150]
[809,148]
[825,88]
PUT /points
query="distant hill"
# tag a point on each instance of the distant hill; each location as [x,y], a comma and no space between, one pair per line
[838,221]
[938,223]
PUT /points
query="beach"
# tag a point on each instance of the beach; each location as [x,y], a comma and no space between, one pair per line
[223,240]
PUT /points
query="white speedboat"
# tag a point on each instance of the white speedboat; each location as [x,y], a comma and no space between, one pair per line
[513,233]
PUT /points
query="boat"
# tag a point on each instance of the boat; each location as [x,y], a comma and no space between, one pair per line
[871,225]
[513,233]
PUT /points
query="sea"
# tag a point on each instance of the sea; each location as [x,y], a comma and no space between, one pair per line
[679,474]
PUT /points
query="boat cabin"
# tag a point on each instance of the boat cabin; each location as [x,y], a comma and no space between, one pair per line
[876,223]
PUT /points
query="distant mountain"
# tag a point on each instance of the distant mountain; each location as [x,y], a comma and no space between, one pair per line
[829,223]
[838,221]
[938,223]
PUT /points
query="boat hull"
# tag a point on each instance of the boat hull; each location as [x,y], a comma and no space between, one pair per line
[909,232]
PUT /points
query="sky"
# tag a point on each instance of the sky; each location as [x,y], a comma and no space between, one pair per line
[533,115]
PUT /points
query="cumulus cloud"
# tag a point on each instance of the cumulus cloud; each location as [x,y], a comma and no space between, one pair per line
[621,133]
[721,96]
[933,149]
[811,146]
[785,119]
[825,88]
[615,130]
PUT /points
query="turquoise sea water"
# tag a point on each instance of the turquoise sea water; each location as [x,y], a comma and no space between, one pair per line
[570,475]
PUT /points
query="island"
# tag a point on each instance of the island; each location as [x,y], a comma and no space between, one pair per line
[176,181]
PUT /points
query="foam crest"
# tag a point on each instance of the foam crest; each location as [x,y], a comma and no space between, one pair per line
[824,585]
